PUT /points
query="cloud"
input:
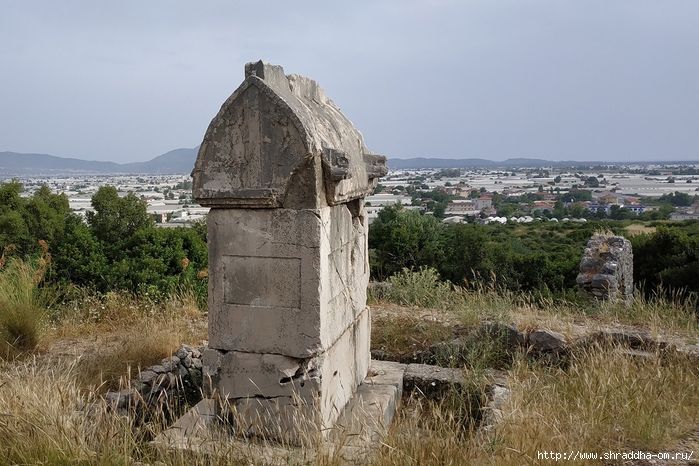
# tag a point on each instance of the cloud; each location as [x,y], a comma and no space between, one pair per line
[495,79]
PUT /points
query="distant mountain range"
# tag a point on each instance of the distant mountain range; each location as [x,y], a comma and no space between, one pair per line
[181,161]
[175,162]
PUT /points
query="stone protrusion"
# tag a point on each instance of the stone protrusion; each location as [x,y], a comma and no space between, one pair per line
[606,269]
[547,341]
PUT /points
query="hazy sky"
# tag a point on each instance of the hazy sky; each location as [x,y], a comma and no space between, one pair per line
[611,80]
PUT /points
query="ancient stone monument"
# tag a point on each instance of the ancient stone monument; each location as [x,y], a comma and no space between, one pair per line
[606,268]
[285,174]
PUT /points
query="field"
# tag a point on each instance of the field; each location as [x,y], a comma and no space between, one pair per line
[639,229]
[598,398]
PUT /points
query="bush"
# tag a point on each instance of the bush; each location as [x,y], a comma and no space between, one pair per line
[418,288]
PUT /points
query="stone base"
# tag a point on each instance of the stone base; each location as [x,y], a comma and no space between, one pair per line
[358,430]
[283,398]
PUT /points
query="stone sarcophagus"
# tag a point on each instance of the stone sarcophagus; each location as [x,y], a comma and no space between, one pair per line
[285,174]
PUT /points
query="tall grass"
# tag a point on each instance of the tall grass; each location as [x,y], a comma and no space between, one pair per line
[674,311]
[23,303]
[604,401]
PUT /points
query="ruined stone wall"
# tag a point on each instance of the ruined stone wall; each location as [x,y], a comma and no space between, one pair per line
[606,268]
[176,380]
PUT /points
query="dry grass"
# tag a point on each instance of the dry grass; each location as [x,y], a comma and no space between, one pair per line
[22,302]
[118,333]
[426,433]
[45,418]
[403,335]
[604,401]
[664,313]
[638,229]
[601,400]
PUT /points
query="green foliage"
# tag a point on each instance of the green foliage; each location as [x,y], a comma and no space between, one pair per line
[23,222]
[122,249]
[621,213]
[667,259]
[448,173]
[118,249]
[402,239]
[677,199]
[507,210]
[542,257]
[577,195]
[114,217]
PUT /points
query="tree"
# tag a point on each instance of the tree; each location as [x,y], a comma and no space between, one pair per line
[577,211]
[402,239]
[677,199]
[23,222]
[439,209]
[559,209]
[45,215]
[79,257]
[669,257]
[665,211]
[617,212]
[116,218]
[507,210]
[576,195]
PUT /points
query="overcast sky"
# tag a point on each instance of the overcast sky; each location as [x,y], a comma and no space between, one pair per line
[125,81]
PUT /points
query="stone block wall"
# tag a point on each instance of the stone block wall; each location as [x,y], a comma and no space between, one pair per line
[289,326]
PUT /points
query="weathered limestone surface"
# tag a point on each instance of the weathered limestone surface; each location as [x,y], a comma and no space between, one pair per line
[285,174]
[273,270]
[263,387]
[606,268]
[272,139]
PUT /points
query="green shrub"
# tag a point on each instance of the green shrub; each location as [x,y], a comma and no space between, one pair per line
[417,288]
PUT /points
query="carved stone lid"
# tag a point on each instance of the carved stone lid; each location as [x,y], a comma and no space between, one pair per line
[279,141]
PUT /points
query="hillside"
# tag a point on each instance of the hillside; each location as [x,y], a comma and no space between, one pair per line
[178,161]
